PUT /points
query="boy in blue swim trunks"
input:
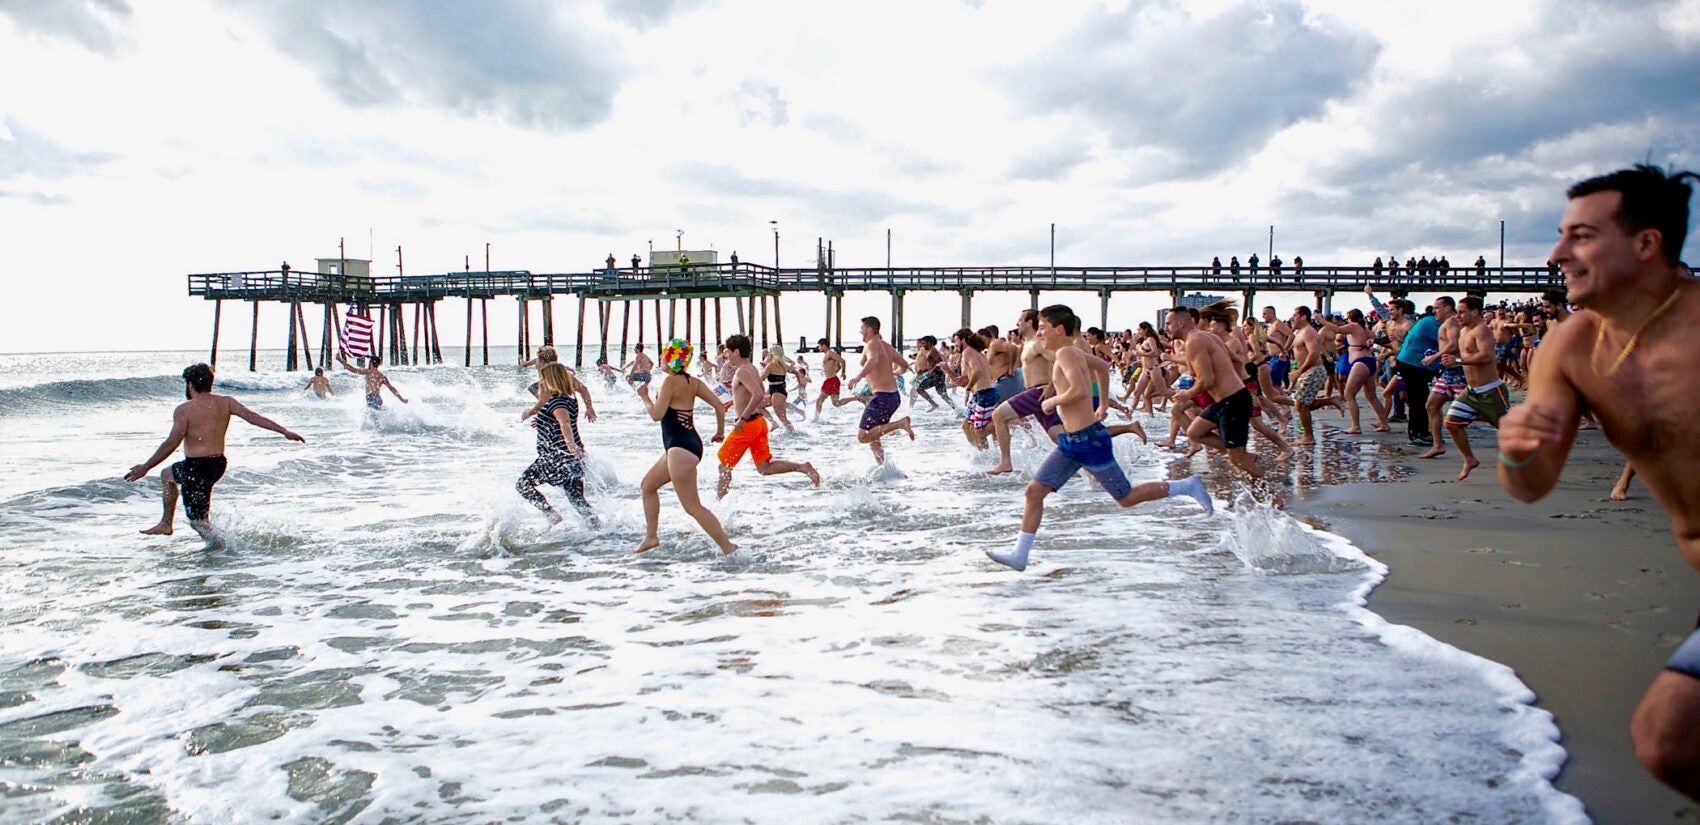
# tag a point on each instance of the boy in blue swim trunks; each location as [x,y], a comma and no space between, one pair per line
[1083,443]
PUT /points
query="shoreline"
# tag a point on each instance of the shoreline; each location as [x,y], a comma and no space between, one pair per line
[1585,598]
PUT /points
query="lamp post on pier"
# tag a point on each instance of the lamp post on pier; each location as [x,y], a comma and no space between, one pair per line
[775,225]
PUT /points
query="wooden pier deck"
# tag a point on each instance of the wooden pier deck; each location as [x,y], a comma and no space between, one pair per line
[752,287]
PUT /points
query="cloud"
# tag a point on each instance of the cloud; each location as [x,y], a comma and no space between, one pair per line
[835,209]
[520,61]
[1051,162]
[548,220]
[37,198]
[96,25]
[1194,94]
[758,100]
[644,15]
[1579,67]
[32,154]
[834,126]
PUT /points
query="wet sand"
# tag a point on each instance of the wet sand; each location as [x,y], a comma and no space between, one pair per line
[1583,596]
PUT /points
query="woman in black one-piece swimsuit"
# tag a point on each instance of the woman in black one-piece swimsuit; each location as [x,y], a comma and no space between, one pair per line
[681,446]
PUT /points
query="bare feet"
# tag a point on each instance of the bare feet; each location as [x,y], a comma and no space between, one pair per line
[809,470]
[1353,431]
[1620,494]
[1383,428]
[1306,441]
[1434,452]
[1167,444]
[1139,430]
[1000,469]
[1469,464]
[161,529]
[650,543]
[1284,455]
[903,424]
[729,549]
[554,518]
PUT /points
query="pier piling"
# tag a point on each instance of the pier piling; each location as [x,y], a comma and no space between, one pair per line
[578,349]
[218,314]
[254,340]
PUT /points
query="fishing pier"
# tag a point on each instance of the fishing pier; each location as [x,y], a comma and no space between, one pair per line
[753,291]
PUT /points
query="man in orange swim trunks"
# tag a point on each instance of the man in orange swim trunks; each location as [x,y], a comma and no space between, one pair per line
[749,430]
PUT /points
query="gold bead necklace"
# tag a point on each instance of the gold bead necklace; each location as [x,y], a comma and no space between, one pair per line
[1594,357]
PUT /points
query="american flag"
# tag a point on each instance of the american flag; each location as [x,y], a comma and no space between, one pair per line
[358,338]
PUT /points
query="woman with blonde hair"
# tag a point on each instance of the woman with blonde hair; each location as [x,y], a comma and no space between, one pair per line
[681,446]
[775,369]
[560,451]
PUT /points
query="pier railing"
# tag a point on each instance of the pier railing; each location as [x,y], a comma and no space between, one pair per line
[746,279]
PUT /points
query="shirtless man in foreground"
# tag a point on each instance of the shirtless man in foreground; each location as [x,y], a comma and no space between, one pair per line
[376,380]
[979,389]
[1627,355]
[884,363]
[199,425]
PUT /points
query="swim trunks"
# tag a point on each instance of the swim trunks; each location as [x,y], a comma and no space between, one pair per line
[934,379]
[1686,659]
[980,406]
[376,402]
[1089,448]
[879,410]
[1485,404]
[751,438]
[1232,416]
[196,476]
[1449,383]
[638,378]
[830,387]
[1030,403]
[1310,385]
[1342,364]
[1008,387]
[1278,369]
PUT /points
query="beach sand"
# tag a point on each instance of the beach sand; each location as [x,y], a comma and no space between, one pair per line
[1584,597]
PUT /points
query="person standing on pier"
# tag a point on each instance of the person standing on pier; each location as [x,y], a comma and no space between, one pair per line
[199,425]
[749,425]
[1627,354]
[376,380]
[1252,263]
[681,447]
[1084,442]
[884,362]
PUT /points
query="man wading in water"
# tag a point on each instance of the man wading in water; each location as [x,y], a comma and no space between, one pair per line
[1626,354]
[198,424]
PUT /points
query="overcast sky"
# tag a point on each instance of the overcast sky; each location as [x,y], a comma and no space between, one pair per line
[140,141]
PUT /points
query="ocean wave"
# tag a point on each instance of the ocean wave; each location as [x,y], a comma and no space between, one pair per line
[92,391]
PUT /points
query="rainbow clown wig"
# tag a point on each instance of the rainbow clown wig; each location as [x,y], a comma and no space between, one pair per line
[676,356]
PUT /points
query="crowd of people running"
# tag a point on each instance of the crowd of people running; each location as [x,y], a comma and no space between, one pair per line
[1217,377]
